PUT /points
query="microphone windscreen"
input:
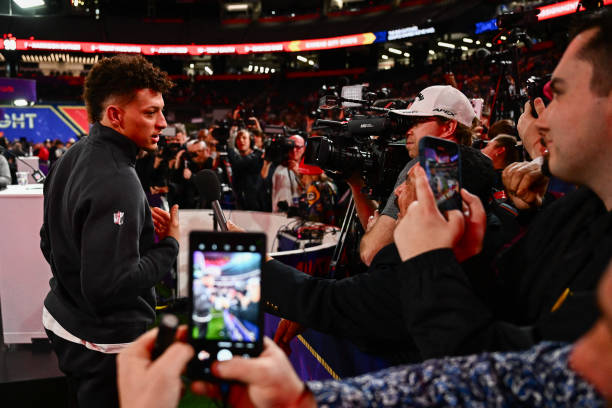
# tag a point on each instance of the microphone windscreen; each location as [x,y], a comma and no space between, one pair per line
[208,186]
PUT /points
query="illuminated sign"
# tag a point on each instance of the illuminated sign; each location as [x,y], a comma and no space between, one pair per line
[408,32]
[561,9]
[484,26]
[178,49]
[204,49]
[36,123]
[330,43]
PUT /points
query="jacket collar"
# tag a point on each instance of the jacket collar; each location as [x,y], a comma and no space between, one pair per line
[106,135]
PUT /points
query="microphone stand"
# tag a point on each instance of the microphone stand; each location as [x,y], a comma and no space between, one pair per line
[36,173]
[215,223]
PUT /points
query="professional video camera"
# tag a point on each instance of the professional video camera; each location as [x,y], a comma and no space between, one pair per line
[244,115]
[278,145]
[221,133]
[367,141]
[165,149]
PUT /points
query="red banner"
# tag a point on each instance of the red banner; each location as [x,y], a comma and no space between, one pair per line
[191,49]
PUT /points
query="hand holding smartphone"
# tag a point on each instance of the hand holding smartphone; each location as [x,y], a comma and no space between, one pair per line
[441,160]
[225,291]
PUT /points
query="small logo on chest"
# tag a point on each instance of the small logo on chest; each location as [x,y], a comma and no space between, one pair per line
[118,217]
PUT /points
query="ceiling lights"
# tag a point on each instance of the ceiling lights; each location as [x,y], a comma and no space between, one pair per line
[27,4]
[445,44]
[60,58]
[236,7]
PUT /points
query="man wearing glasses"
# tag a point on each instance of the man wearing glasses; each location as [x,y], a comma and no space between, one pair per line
[286,185]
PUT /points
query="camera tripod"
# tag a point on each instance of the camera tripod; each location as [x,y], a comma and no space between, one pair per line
[506,102]
[349,240]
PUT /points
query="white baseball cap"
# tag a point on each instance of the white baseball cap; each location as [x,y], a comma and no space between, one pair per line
[441,100]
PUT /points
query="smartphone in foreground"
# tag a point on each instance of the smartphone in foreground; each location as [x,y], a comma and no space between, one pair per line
[224,291]
[441,160]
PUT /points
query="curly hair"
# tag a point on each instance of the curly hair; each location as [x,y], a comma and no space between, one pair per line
[120,76]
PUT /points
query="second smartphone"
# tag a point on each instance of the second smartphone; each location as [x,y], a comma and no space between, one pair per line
[441,160]
[226,319]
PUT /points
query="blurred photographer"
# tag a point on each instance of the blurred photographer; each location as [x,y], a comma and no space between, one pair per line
[169,147]
[246,161]
[152,170]
[257,133]
[188,162]
[286,185]
[181,134]
[5,173]
[503,151]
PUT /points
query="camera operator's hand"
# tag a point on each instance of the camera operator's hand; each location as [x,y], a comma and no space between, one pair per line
[157,161]
[265,169]
[269,381]
[285,332]
[364,206]
[140,379]
[253,124]
[355,181]
[178,159]
[528,131]
[424,228]
[525,183]
[187,173]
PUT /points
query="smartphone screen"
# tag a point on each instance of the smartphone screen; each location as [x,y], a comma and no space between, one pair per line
[225,293]
[441,161]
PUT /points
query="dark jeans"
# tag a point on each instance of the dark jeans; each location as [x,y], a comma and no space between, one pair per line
[91,375]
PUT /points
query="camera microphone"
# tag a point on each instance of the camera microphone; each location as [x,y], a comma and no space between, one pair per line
[208,186]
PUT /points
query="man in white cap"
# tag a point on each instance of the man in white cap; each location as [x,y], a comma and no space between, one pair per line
[441,111]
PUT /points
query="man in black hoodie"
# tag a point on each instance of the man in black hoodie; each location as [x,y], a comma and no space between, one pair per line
[98,230]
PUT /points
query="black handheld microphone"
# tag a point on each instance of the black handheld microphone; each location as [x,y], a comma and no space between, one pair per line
[209,188]
[165,336]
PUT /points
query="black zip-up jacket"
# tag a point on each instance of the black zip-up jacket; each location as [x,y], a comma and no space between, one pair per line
[98,237]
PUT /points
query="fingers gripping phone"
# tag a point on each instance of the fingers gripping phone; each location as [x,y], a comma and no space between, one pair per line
[224,292]
[441,160]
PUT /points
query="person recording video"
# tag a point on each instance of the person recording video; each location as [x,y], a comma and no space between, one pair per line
[246,161]
[194,158]
[440,111]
